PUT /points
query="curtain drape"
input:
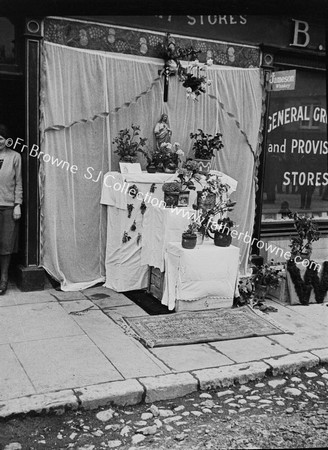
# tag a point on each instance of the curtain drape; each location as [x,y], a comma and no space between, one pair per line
[87,97]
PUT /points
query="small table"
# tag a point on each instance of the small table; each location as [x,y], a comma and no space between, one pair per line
[204,277]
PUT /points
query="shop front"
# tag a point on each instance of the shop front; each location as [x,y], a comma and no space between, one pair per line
[94,76]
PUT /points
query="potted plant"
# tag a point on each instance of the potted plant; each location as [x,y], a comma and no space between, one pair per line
[171,193]
[187,175]
[265,277]
[307,232]
[205,146]
[189,236]
[222,232]
[129,144]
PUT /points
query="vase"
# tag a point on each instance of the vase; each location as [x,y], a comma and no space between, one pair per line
[171,199]
[261,291]
[222,239]
[207,203]
[170,167]
[183,200]
[189,240]
[200,237]
[151,168]
[204,165]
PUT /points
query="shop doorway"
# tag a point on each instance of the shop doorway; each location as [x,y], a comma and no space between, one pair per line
[12,100]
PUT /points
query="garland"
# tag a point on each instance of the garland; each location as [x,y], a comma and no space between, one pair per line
[311,280]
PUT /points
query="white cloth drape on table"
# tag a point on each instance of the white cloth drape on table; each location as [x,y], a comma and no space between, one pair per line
[87,97]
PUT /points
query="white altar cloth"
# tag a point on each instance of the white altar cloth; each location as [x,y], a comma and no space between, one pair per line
[206,271]
[124,269]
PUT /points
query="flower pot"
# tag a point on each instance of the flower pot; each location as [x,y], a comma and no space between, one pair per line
[189,240]
[222,239]
[204,165]
[207,203]
[261,291]
[151,168]
[171,199]
[183,200]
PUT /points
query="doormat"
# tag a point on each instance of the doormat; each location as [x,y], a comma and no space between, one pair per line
[193,327]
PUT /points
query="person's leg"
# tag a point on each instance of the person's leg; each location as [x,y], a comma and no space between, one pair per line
[4,266]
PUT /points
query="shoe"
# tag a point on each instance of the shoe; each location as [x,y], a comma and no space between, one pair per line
[3,287]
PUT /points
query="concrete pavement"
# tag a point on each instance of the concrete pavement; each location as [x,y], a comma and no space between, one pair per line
[61,350]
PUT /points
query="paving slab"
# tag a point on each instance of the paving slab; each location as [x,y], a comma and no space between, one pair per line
[229,375]
[182,358]
[110,301]
[78,306]
[321,354]
[252,349]
[117,314]
[63,363]
[13,379]
[35,321]
[303,340]
[316,312]
[128,355]
[13,298]
[292,362]
[124,393]
[64,296]
[168,386]
[56,402]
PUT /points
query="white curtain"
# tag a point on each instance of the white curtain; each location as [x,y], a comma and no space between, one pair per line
[87,97]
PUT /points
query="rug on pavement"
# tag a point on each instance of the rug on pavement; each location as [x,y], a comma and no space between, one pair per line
[209,325]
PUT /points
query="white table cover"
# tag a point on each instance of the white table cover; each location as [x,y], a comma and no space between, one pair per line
[206,271]
[124,269]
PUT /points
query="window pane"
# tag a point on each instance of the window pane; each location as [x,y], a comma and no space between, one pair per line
[296,166]
[7,41]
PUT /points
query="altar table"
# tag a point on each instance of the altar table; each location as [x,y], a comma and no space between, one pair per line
[205,272]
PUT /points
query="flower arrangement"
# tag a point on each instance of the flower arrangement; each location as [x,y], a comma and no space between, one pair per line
[129,144]
[167,154]
[224,225]
[192,226]
[268,276]
[172,187]
[188,173]
[193,76]
[307,232]
[205,145]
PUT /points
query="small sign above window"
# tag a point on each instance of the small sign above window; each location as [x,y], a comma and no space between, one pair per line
[284,80]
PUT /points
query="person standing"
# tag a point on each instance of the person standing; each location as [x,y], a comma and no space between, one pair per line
[11,197]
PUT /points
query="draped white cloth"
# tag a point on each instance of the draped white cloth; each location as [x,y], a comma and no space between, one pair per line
[87,97]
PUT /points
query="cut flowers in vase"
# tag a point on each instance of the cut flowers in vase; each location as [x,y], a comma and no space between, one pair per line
[189,173]
[206,145]
[267,275]
[167,154]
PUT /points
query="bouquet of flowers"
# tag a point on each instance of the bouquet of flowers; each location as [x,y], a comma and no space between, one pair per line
[167,154]
[188,173]
[268,276]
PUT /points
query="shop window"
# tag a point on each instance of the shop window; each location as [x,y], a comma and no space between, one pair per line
[7,41]
[296,151]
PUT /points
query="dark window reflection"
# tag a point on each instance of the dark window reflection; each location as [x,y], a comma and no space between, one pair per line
[296,168]
[7,41]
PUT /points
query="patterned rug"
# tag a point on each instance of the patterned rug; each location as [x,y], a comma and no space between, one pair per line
[210,325]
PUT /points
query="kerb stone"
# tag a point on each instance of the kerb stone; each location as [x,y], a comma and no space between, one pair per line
[292,362]
[56,402]
[321,354]
[170,386]
[127,392]
[229,375]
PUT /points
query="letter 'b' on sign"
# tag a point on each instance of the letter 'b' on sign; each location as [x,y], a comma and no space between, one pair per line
[301,35]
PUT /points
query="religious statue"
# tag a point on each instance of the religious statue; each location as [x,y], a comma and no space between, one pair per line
[162,131]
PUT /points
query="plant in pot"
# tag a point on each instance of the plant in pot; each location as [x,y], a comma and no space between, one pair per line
[307,233]
[189,236]
[187,175]
[205,146]
[222,232]
[265,277]
[171,193]
[129,144]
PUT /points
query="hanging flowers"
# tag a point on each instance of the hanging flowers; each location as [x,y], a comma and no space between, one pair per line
[193,76]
